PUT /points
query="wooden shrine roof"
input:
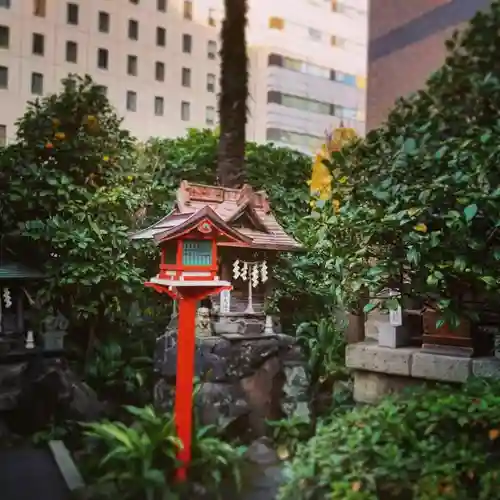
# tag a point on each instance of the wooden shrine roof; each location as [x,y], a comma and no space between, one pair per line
[244,210]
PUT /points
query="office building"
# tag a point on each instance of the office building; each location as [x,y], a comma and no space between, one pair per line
[158,61]
[406,44]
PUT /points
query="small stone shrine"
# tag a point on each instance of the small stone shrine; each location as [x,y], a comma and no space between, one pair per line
[248,266]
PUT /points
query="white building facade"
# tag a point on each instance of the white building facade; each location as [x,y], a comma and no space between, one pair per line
[159,62]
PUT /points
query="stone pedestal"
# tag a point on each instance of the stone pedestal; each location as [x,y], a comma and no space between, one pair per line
[379,371]
[242,323]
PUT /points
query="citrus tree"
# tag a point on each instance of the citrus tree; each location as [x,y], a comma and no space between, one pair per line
[69,203]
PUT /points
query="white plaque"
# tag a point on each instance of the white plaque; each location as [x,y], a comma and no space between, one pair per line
[395,315]
[225,301]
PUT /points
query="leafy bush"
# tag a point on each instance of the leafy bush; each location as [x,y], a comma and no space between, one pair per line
[288,433]
[138,461]
[419,197]
[425,444]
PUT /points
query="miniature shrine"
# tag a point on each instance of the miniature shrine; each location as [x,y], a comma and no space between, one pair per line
[253,237]
[16,322]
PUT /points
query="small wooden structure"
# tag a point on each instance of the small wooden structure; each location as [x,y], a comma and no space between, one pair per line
[15,305]
[254,237]
[188,274]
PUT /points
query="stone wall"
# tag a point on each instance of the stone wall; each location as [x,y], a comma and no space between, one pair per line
[245,380]
[379,371]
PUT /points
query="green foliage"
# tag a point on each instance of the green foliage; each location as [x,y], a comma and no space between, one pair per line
[419,198]
[120,374]
[426,444]
[69,204]
[324,345]
[288,433]
[138,461]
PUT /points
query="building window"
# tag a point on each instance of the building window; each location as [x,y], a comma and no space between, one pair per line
[159,106]
[187,43]
[276,23]
[103,22]
[314,34]
[161,36]
[210,115]
[4,37]
[132,65]
[39,8]
[310,142]
[159,71]
[71,52]
[38,44]
[5,4]
[161,5]
[133,29]
[131,100]
[102,58]
[135,2]
[212,49]
[4,77]
[3,135]
[185,111]
[275,60]
[188,9]
[72,13]
[302,103]
[210,82]
[37,83]
[211,18]
[186,77]
[102,89]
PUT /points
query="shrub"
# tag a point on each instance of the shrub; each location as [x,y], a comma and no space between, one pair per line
[425,444]
[138,461]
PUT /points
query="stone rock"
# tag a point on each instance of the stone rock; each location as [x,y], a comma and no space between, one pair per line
[221,404]
[10,385]
[48,390]
[295,401]
[261,452]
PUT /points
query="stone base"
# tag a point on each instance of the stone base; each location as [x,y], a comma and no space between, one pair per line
[379,371]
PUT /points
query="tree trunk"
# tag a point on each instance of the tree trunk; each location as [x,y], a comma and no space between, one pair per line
[233,95]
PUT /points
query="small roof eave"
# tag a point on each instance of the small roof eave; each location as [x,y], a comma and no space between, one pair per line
[148,232]
[197,217]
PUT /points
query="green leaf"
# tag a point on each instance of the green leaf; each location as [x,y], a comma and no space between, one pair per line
[470,212]
[410,145]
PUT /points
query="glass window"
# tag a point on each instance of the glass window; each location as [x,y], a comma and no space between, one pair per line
[161,5]
[293,64]
[103,22]
[37,83]
[197,253]
[185,111]
[161,36]
[211,18]
[159,71]
[4,37]
[102,58]
[132,65]
[186,77]
[210,115]
[159,106]
[3,135]
[133,29]
[210,82]
[4,77]
[71,52]
[187,42]
[314,34]
[131,100]
[5,4]
[38,44]
[188,10]
[39,8]
[72,13]
[212,49]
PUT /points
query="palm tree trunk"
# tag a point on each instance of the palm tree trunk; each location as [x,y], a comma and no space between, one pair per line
[233,95]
